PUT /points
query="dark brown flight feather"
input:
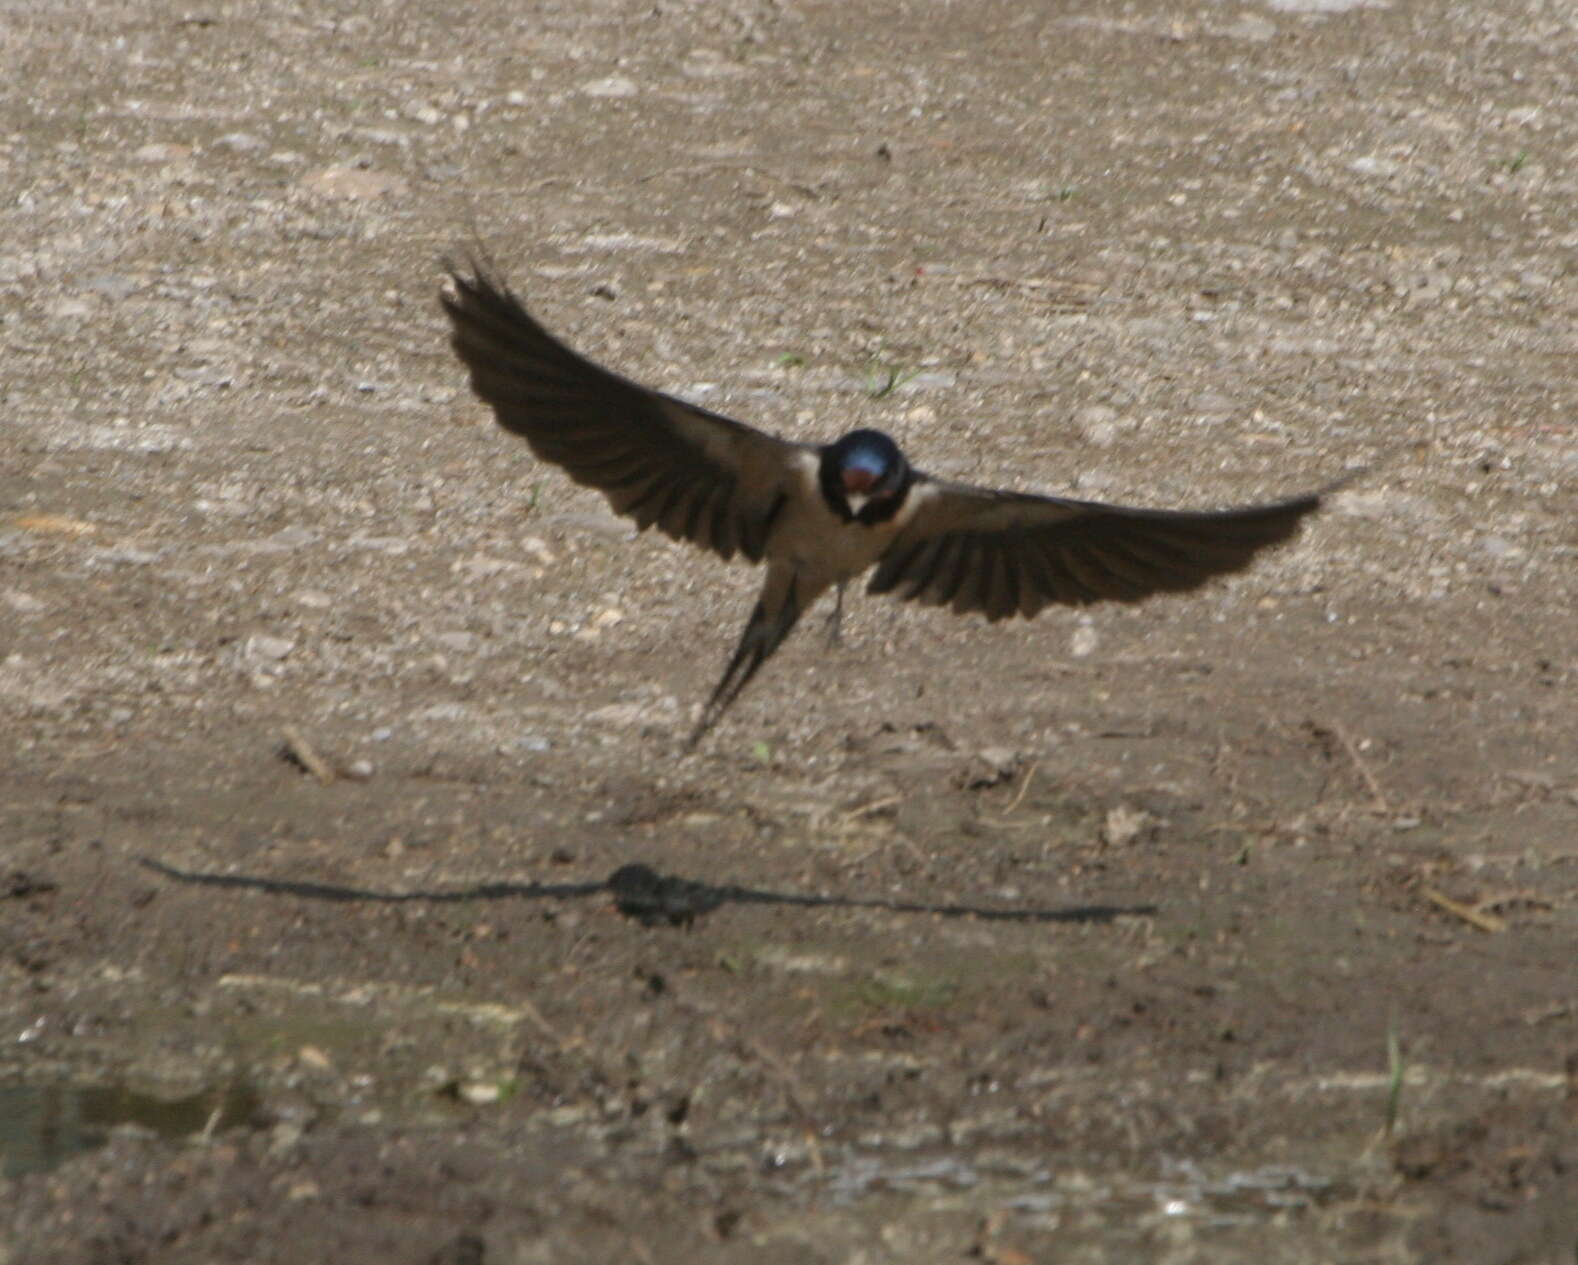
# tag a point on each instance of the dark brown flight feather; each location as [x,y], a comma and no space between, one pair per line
[695,475]
[1012,553]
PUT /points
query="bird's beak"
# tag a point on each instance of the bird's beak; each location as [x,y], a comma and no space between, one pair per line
[857,479]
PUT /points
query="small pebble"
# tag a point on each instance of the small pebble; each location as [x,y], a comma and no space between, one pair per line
[242,142]
[613,86]
[1083,642]
[262,646]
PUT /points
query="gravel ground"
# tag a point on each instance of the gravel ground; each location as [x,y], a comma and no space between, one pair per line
[1168,254]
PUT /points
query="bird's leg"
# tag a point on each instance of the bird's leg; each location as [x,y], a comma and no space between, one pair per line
[832,628]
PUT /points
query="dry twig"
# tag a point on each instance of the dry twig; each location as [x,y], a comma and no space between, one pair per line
[1470,915]
[1359,762]
[875,806]
[1023,787]
[301,751]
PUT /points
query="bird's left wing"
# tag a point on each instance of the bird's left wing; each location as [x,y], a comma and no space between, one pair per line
[1012,553]
[697,476]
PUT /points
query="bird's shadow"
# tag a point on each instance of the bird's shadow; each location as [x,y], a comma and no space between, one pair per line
[643,894]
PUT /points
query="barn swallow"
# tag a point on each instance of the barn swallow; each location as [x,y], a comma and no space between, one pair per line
[821,514]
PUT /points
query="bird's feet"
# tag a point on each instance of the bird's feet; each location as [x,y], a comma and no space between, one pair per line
[832,630]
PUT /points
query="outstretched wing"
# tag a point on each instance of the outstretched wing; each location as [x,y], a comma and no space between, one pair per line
[1011,553]
[696,475]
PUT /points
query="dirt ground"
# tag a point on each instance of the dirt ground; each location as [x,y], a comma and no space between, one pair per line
[1171,254]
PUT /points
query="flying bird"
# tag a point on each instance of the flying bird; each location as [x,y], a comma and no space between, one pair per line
[821,514]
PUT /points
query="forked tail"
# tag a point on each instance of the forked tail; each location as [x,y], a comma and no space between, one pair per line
[763,634]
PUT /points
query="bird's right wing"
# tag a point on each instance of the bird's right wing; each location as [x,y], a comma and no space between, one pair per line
[695,475]
[1013,553]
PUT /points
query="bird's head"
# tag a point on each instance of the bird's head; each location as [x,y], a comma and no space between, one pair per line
[864,476]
